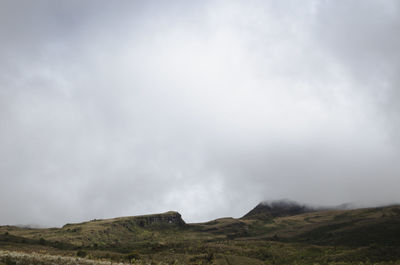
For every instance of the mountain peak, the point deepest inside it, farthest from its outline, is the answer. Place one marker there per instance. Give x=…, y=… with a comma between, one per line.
x=277, y=208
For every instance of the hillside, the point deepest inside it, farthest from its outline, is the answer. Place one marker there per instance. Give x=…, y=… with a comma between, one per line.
x=268, y=234
x=119, y=234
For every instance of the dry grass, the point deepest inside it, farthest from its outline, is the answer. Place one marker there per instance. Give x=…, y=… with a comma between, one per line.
x=21, y=258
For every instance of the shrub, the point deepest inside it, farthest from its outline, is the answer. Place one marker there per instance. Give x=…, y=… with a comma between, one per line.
x=81, y=253
x=42, y=241
x=133, y=255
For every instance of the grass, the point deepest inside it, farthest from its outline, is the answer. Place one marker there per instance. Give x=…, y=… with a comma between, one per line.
x=20, y=258
x=363, y=236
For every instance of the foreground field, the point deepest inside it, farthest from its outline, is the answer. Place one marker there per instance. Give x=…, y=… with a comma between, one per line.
x=277, y=236
x=21, y=258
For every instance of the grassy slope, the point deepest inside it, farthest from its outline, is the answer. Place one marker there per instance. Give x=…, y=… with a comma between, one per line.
x=324, y=237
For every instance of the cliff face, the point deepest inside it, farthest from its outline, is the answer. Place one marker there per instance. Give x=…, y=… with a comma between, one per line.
x=168, y=218
x=129, y=223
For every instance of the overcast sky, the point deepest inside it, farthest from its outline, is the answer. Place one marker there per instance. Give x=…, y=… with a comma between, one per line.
x=115, y=108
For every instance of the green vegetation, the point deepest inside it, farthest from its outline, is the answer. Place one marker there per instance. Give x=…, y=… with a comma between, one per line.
x=362, y=236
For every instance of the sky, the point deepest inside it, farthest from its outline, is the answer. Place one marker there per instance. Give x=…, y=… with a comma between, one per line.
x=120, y=108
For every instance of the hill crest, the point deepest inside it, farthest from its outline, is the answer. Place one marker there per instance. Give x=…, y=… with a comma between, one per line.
x=170, y=217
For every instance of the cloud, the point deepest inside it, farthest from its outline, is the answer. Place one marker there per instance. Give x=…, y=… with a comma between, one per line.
x=110, y=109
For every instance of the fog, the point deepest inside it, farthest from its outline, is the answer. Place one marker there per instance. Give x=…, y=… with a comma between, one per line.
x=116, y=108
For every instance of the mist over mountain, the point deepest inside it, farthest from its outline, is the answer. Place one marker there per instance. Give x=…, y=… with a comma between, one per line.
x=285, y=207
x=278, y=208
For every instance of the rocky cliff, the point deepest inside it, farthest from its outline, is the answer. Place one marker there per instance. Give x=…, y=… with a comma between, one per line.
x=171, y=218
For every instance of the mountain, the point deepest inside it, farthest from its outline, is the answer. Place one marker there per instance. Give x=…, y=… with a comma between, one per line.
x=271, y=209
x=277, y=232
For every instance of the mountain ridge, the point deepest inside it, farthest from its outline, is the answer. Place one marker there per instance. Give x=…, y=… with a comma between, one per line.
x=283, y=233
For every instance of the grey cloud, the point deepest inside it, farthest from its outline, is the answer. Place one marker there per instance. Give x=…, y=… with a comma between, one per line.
x=124, y=108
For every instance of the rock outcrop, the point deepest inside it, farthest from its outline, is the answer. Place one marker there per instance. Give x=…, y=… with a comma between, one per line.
x=169, y=218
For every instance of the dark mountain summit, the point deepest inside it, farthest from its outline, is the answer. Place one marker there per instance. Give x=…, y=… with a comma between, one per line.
x=280, y=208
